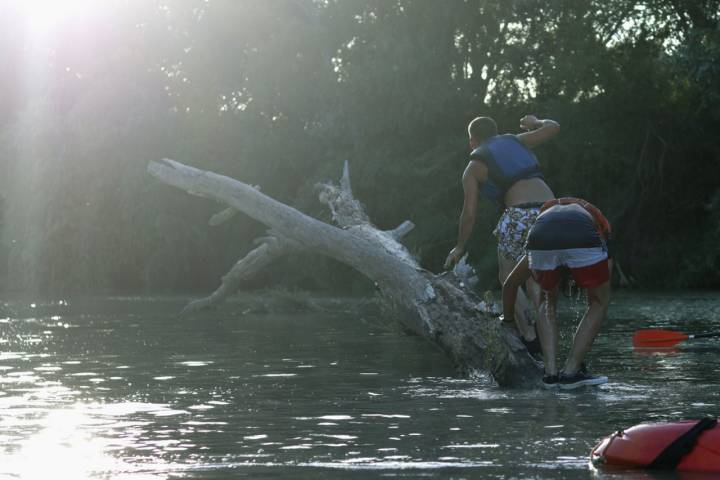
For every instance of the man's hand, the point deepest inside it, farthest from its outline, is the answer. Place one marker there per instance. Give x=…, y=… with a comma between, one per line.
x=530, y=122
x=538, y=131
x=454, y=257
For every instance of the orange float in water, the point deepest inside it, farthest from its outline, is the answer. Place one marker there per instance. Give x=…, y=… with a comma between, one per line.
x=689, y=446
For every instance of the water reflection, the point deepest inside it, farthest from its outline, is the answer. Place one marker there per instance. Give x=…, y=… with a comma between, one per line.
x=122, y=389
x=71, y=443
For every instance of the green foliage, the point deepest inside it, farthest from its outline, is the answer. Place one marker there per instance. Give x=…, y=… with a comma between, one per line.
x=280, y=93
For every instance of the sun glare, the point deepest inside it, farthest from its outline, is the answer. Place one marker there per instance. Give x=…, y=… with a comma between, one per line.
x=44, y=15
x=62, y=450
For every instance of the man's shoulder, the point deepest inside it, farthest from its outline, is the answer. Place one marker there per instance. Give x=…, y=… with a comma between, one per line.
x=485, y=150
x=480, y=153
x=509, y=138
x=476, y=169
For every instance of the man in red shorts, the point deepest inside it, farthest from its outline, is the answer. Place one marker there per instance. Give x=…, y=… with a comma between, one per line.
x=569, y=234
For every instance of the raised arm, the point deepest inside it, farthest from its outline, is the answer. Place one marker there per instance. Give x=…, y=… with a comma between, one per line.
x=475, y=173
x=540, y=130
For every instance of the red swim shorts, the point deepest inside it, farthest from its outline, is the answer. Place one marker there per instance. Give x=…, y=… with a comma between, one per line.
x=586, y=277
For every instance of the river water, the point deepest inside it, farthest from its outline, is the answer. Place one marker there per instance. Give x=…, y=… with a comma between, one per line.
x=121, y=388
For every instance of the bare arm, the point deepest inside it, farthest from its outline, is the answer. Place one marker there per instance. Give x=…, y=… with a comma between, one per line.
x=517, y=277
x=474, y=174
x=467, y=217
x=540, y=130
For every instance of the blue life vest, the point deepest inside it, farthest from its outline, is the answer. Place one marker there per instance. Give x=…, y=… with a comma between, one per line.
x=507, y=161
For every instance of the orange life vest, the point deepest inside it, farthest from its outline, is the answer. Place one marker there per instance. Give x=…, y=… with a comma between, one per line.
x=603, y=225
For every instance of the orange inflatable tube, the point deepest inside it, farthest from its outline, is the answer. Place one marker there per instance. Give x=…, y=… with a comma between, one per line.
x=686, y=446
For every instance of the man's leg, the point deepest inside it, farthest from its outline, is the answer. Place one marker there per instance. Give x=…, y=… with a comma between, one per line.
x=534, y=293
x=598, y=300
x=523, y=307
x=547, y=329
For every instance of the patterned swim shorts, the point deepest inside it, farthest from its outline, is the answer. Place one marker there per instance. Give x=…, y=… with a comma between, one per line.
x=512, y=230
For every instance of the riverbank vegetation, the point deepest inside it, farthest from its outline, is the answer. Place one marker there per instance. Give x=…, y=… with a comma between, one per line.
x=278, y=94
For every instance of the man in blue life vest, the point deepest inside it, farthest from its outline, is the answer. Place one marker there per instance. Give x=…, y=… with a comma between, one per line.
x=503, y=169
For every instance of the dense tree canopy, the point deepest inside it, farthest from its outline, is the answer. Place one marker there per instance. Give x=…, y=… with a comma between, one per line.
x=278, y=93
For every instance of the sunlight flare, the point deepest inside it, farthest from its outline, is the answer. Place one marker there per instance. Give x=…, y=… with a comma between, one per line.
x=43, y=15
x=63, y=449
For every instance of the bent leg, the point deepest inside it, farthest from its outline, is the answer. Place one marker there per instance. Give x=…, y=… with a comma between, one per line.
x=523, y=307
x=598, y=300
x=547, y=329
x=534, y=292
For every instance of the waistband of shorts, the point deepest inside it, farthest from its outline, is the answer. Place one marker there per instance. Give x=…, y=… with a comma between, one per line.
x=527, y=205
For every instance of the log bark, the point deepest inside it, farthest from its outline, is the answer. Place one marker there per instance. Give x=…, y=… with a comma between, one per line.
x=440, y=308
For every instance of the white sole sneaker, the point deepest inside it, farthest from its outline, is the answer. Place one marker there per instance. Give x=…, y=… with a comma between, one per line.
x=582, y=382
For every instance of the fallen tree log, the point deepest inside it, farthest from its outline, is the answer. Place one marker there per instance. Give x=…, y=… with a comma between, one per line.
x=271, y=247
x=438, y=307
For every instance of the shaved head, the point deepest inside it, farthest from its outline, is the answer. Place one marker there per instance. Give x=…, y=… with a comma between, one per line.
x=482, y=128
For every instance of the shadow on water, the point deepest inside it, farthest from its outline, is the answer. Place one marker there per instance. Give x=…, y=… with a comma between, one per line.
x=122, y=388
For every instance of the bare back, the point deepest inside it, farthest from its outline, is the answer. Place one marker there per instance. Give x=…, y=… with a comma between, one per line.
x=528, y=190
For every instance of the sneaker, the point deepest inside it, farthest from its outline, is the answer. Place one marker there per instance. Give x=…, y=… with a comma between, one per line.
x=580, y=379
x=550, y=381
